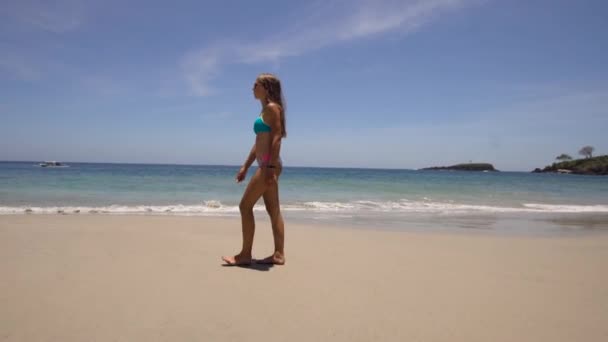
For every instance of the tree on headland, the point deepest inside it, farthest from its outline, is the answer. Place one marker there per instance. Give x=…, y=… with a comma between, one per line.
x=563, y=157
x=587, y=151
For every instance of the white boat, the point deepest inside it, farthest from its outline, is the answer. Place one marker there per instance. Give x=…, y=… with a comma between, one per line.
x=52, y=164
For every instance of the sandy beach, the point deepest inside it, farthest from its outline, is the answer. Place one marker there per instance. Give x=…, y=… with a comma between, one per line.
x=159, y=278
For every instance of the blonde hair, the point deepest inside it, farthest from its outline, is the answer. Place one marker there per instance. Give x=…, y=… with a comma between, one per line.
x=272, y=84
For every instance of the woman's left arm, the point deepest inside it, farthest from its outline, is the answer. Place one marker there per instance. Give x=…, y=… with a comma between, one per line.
x=272, y=116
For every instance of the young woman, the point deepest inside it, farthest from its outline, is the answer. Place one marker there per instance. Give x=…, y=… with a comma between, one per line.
x=269, y=129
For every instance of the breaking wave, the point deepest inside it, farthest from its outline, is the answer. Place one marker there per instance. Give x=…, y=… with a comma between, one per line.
x=216, y=208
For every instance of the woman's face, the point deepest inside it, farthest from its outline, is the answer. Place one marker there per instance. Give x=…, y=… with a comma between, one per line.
x=258, y=91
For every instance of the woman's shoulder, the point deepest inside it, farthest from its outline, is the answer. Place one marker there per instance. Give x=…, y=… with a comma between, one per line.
x=273, y=108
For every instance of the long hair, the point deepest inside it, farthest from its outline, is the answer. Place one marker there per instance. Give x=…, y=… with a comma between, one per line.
x=272, y=84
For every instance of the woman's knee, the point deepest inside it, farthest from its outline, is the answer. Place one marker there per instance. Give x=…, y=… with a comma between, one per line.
x=245, y=207
x=273, y=212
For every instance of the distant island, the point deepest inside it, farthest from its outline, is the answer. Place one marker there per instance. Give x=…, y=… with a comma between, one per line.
x=465, y=167
x=585, y=166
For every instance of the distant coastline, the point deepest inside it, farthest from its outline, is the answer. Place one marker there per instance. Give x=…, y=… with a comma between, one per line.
x=465, y=167
x=587, y=166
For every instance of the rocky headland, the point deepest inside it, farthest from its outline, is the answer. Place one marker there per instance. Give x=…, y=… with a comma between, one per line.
x=465, y=167
x=585, y=166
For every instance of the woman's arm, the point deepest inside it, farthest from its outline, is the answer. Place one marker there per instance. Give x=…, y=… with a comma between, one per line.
x=240, y=176
x=273, y=119
x=250, y=158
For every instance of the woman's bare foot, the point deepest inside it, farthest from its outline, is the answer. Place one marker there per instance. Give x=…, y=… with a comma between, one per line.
x=237, y=260
x=275, y=259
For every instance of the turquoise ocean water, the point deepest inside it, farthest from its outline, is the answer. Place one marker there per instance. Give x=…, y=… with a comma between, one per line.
x=353, y=196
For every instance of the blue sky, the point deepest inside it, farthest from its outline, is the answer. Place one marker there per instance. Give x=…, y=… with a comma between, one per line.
x=387, y=84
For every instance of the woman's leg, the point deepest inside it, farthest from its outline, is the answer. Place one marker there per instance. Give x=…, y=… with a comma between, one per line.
x=271, y=200
x=252, y=194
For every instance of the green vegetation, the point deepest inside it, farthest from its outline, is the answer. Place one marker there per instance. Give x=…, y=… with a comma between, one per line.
x=586, y=166
x=563, y=157
x=587, y=151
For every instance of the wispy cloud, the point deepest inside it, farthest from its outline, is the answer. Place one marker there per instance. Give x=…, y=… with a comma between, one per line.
x=324, y=24
x=565, y=107
x=31, y=63
x=23, y=56
x=52, y=16
x=17, y=68
x=521, y=136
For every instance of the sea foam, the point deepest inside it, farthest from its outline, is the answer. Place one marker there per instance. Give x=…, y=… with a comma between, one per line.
x=216, y=208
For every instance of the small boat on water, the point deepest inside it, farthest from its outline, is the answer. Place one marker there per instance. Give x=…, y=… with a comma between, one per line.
x=52, y=164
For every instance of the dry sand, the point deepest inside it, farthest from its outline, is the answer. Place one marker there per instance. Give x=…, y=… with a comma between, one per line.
x=158, y=278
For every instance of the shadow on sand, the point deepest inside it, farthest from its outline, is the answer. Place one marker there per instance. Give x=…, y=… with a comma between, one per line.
x=256, y=266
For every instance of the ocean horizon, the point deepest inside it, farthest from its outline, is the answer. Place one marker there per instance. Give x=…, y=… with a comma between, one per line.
x=354, y=196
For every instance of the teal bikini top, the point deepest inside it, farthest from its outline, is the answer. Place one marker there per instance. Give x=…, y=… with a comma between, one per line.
x=259, y=126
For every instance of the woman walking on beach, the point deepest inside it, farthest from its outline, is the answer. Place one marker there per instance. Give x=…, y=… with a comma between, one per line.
x=269, y=129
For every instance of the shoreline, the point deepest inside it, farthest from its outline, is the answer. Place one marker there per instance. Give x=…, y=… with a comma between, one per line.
x=497, y=224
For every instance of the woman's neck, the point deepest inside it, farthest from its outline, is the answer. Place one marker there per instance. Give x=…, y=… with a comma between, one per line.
x=264, y=103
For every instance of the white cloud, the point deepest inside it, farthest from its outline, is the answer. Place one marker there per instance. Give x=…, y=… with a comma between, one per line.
x=22, y=57
x=200, y=68
x=53, y=16
x=326, y=23
x=561, y=107
x=30, y=64
x=18, y=68
x=522, y=136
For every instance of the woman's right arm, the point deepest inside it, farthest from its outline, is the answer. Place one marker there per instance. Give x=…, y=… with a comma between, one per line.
x=240, y=176
x=250, y=158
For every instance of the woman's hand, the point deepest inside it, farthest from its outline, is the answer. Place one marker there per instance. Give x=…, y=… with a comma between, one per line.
x=240, y=176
